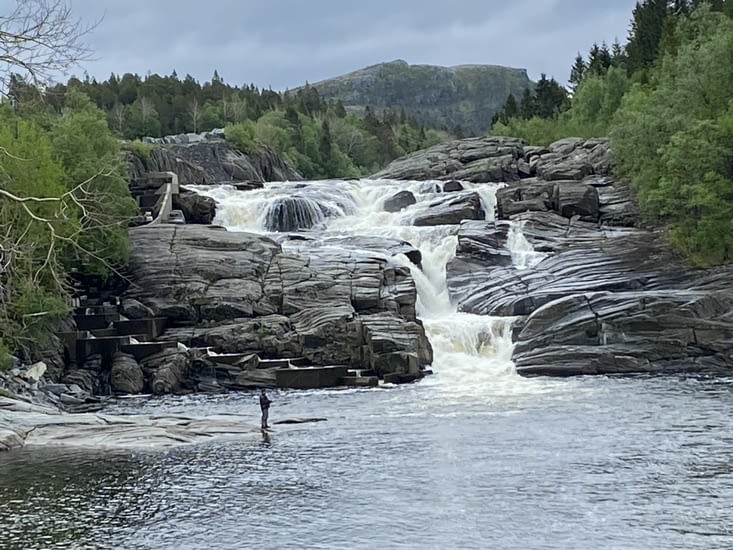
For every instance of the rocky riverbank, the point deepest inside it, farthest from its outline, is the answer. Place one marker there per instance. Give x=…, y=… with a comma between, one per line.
x=597, y=293
x=600, y=295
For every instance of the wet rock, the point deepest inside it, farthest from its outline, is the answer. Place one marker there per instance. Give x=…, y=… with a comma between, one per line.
x=33, y=426
x=133, y=309
x=294, y=213
x=393, y=345
x=196, y=208
x=452, y=186
x=300, y=420
x=451, y=210
x=399, y=201
x=211, y=162
x=480, y=159
x=126, y=377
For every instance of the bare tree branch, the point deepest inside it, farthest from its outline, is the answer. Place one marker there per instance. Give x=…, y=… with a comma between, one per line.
x=41, y=39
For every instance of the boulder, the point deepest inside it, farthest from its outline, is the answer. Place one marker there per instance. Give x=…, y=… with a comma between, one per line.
x=394, y=345
x=533, y=195
x=399, y=201
x=196, y=208
x=452, y=186
x=167, y=372
x=452, y=210
x=577, y=199
x=133, y=309
x=478, y=159
x=126, y=376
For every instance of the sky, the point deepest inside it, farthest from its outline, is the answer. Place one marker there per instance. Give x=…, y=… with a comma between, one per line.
x=283, y=44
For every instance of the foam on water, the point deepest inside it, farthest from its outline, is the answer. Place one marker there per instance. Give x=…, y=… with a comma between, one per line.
x=472, y=353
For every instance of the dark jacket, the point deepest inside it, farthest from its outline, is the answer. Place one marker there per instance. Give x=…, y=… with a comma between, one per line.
x=264, y=402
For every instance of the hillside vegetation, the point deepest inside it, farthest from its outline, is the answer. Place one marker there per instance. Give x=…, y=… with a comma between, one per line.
x=319, y=138
x=666, y=100
x=462, y=99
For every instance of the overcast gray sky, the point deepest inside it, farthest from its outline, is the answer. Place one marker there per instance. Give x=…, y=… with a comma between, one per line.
x=284, y=43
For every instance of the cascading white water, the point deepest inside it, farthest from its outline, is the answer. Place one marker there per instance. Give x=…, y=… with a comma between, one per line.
x=472, y=353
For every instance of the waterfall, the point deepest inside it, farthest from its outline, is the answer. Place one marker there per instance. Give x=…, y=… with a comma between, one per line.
x=524, y=255
x=472, y=353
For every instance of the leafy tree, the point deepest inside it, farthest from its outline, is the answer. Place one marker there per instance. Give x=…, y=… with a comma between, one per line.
x=63, y=202
x=673, y=141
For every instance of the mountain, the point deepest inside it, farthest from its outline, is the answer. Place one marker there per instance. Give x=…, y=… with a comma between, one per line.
x=464, y=95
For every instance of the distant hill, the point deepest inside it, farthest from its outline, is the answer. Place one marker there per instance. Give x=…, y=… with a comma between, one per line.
x=465, y=95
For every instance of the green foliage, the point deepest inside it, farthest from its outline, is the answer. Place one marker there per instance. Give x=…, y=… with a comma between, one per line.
x=6, y=361
x=666, y=102
x=546, y=101
x=64, y=206
x=243, y=136
x=674, y=139
x=596, y=100
x=538, y=131
x=139, y=148
x=89, y=153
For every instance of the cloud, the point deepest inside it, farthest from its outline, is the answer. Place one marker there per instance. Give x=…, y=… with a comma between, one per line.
x=284, y=43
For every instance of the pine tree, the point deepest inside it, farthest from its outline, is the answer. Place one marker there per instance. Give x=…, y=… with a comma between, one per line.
x=576, y=72
x=647, y=26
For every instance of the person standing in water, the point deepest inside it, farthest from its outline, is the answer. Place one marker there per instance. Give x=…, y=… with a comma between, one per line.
x=264, y=407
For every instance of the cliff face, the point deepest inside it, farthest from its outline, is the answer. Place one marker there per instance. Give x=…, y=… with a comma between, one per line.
x=465, y=95
x=213, y=162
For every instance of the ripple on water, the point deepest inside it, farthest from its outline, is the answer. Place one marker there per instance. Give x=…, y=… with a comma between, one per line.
x=584, y=463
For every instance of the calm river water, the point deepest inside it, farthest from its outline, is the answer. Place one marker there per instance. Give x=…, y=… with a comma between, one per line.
x=532, y=464
x=471, y=457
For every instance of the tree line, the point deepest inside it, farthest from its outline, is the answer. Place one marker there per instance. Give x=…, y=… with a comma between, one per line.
x=665, y=98
x=319, y=138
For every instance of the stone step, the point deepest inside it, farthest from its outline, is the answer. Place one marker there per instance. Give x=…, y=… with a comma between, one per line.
x=93, y=322
x=144, y=349
x=234, y=358
x=151, y=326
x=307, y=378
x=96, y=308
x=105, y=346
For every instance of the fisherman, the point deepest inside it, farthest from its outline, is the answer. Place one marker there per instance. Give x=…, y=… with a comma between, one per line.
x=265, y=407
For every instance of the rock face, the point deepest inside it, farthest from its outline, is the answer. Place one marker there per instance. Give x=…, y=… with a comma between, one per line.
x=241, y=293
x=596, y=295
x=452, y=209
x=590, y=291
x=213, y=162
x=481, y=159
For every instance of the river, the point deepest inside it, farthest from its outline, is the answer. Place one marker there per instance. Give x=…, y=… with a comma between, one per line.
x=473, y=456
